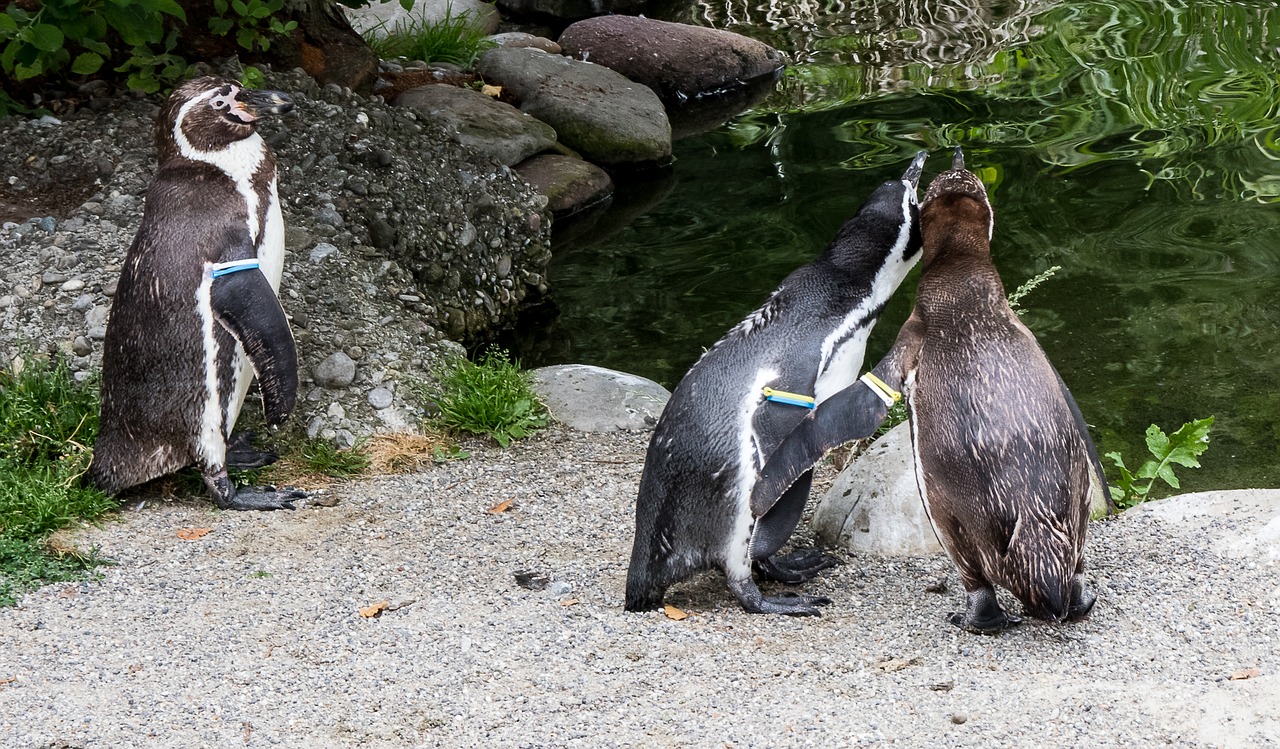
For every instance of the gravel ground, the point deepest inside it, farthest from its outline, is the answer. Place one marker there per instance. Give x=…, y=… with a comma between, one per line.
x=252, y=636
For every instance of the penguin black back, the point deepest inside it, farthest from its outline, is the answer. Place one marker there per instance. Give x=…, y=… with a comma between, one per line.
x=694, y=511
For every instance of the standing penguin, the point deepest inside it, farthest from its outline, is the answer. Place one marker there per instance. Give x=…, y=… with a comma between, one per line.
x=1004, y=461
x=195, y=312
x=745, y=394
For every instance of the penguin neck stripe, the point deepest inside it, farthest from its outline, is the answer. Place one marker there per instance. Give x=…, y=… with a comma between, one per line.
x=239, y=159
x=791, y=399
x=222, y=269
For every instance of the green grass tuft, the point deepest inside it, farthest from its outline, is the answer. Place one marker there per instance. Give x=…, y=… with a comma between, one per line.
x=456, y=39
x=322, y=456
x=47, y=422
x=491, y=397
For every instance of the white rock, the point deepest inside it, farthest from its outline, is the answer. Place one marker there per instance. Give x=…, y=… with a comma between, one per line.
x=1238, y=523
x=595, y=399
x=874, y=505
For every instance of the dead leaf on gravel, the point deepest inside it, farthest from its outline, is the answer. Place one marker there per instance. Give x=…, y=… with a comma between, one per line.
x=674, y=613
x=191, y=534
x=499, y=508
x=1245, y=673
x=372, y=610
x=890, y=665
x=8, y=680
x=494, y=91
x=570, y=602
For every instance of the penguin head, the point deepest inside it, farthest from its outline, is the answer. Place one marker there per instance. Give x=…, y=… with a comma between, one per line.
x=960, y=195
x=206, y=115
x=886, y=231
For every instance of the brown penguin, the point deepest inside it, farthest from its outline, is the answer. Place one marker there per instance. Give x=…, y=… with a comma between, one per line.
x=1004, y=461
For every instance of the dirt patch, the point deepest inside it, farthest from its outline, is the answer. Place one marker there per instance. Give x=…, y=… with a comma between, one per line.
x=55, y=191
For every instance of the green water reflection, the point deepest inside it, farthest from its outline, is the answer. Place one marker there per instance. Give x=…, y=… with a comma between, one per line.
x=1134, y=144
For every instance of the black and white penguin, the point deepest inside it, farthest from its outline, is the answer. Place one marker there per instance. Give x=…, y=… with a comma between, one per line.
x=195, y=313
x=1004, y=461
x=745, y=394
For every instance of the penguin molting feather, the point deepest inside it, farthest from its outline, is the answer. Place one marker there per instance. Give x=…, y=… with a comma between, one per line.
x=1005, y=465
x=195, y=313
x=693, y=511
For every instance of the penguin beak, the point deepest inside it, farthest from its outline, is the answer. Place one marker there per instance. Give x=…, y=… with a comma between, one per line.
x=255, y=102
x=957, y=161
x=912, y=174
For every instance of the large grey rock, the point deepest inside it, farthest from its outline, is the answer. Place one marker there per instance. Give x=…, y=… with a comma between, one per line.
x=1243, y=523
x=499, y=130
x=676, y=60
x=571, y=185
x=874, y=505
x=595, y=399
x=600, y=114
x=569, y=9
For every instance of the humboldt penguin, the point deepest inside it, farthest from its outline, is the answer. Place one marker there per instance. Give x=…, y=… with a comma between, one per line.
x=195, y=313
x=1004, y=461
x=745, y=394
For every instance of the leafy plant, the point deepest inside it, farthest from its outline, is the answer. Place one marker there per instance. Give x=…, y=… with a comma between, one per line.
x=253, y=21
x=1029, y=286
x=76, y=33
x=1183, y=447
x=47, y=422
x=492, y=397
x=456, y=39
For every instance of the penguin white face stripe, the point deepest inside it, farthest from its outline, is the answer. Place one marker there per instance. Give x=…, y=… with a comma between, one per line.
x=240, y=160
x=750, y=460
x=843, y=349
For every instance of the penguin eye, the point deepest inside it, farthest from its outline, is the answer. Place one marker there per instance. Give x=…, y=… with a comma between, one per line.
x=224, y=99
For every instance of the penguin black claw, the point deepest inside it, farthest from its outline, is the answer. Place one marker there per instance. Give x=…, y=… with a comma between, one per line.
x=797, y=567
x=788, y=603
x=983, y=614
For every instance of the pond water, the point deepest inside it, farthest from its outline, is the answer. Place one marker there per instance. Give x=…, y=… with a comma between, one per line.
x=1134, y=144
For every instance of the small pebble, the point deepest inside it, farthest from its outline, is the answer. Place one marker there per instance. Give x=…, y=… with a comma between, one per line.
x=380, y=398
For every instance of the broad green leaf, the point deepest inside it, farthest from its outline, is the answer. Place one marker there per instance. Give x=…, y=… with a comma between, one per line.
x=172, y=8
x=1148, y=470
x=239, y=7
x=7, y=24
x=47, y=38
x=1166, y=472
x=1157, y=442
x=93, y=45
x=87, y=63
x=23, y=72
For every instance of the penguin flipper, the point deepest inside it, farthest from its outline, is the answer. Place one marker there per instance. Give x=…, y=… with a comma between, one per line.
x=1083, y=428
x=853, y=413
x=246, y=305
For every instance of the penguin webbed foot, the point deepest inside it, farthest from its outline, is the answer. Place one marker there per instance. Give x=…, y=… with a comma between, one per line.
x=788, y=603
x=227, y=497
x=983, y=614
x=797, y=567
x=263, y=498
x=242, y=456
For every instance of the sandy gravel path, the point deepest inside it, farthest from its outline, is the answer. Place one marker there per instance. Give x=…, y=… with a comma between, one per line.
x=251, y=635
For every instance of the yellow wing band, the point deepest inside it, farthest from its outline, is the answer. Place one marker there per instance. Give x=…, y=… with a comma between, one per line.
x=878, y=386
x=791, y=399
